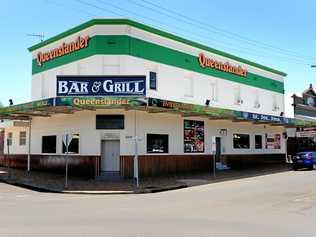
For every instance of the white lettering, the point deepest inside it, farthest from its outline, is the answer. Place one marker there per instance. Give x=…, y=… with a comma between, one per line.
x=107, y=87
x=62, y=87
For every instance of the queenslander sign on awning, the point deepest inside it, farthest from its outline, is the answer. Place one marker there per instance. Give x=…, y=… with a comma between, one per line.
x=101, y=86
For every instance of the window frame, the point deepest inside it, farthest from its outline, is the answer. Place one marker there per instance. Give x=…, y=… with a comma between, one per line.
x=24, y=138
x=157, y=134
x=261, y=136
x=150, y=79
x=241, y=148
x=42, y=150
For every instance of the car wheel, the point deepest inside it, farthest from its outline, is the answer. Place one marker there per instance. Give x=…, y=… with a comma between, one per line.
x=295, y=167
x=311, y=167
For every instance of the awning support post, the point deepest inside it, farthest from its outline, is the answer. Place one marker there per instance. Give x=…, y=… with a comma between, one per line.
x=29, y=150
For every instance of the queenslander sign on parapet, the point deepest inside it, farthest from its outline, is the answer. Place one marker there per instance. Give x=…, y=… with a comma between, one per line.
x=101, y=85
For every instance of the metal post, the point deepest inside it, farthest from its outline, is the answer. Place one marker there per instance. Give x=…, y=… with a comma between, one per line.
x=8, y=160
x=29, y=153
x=66, y=175
x=214, y=166
x=136, y=170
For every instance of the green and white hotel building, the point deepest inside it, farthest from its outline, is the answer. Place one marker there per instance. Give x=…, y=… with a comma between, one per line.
x=123, y=89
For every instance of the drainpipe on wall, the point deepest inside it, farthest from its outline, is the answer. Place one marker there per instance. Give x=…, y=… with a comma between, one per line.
x=29, y=150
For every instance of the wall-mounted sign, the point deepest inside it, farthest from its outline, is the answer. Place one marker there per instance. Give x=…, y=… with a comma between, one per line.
x=190, y=108
x=193, y=136
x=63, y=49
x=100, y=101
x=206, y=62
x=273, y=141
x=264, y=117
x=101, y=85
x=170, y=104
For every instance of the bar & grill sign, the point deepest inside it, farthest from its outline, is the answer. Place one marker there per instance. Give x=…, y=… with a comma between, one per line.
x=101, y=85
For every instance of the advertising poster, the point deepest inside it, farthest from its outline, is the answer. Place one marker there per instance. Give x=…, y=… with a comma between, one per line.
x=193, y=136
x=273, y=141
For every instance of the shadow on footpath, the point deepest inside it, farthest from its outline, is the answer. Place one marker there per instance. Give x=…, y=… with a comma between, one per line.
x=54, y=183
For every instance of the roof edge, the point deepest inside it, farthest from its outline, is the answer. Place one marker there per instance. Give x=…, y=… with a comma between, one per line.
x=123, y=21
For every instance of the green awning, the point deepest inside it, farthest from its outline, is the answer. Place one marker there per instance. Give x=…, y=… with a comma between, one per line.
x=68, y=105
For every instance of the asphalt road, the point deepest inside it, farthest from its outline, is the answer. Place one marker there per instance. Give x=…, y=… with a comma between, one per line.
x=279, y=205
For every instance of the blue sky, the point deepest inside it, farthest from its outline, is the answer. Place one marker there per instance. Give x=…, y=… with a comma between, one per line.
x=280, y=34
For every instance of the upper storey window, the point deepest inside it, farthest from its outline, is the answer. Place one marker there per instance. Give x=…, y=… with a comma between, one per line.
x=188, y=86
x=237, y=96
x=153, y=80
x=214, y=91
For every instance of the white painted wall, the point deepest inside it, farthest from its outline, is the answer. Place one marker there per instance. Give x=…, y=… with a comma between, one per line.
x=171, y=83
x=90, y=139
x=171, y=80
x=16, y=148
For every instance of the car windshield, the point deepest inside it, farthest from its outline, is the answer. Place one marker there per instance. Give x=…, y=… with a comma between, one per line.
x=305, y=154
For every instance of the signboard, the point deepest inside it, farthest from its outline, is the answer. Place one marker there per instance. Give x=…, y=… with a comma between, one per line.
x=263, y=117
x=191, y=108
x=306, y=132
x=101, y=85
x=27, y=106
x=206, y=62
x=101, y=101
x=273, y=141
x=63, y=49
x=193, y=136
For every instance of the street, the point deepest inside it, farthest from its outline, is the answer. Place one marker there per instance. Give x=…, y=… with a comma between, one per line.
x=281, y=204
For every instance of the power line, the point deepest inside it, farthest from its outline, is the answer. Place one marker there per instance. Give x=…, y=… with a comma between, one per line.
x=191, y=33
x=223, y=32
x=203, y=28
x=300, y=60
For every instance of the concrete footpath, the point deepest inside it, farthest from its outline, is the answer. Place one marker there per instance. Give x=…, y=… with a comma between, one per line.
x=49, y=182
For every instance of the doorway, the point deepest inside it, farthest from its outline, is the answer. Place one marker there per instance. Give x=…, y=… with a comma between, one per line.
x=218, y=149
x=110, y=156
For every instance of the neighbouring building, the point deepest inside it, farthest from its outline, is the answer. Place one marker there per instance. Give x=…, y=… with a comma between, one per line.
x=303, y=138
x=122, y=89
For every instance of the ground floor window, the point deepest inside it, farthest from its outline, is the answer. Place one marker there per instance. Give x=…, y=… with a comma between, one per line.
x=193, y=136
x=157, y=143
x=241, y=141
x=49, y=144
x=22, y=139
x=73, y=147
x=258, y=141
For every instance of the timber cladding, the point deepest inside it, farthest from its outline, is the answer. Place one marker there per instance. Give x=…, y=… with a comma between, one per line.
x=83, y=166
x=253, y=160
x=155, y=165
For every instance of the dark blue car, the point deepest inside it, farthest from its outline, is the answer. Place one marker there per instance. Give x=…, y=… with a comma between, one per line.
x=304, y=160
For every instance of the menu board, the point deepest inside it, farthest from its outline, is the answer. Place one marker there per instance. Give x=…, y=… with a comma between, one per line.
x=193, y=136
x=273, y=141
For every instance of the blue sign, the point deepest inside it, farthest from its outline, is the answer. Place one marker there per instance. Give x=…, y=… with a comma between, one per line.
x=101, y=86
x=264, y=117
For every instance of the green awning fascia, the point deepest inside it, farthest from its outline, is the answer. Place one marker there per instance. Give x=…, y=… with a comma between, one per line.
x=141, y=102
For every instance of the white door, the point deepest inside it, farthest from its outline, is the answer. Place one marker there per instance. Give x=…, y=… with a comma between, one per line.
x=110, y=156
